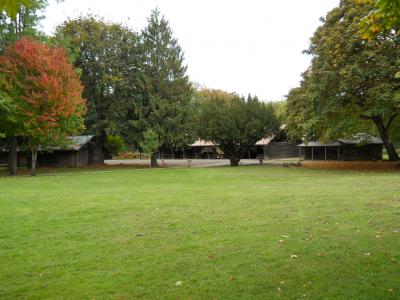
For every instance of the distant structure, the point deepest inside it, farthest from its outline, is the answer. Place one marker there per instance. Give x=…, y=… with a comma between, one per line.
x=77, y=152
x=274, y=147
x=361, y=147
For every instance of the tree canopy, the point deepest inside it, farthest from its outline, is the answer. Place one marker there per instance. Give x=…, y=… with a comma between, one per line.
x=384, y=15
x=106, y=55
x=44, y=93
x=165, y=101
x=351, y=84
x=236, y=125
x=22, y=21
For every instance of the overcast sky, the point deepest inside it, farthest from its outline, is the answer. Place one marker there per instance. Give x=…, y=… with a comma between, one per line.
x=243, y=46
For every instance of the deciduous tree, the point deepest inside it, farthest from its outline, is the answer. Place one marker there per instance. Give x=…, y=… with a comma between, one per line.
x=351, y=83
x=17, y=19
x=106, y=54
x=45, y=93
x=384, y=15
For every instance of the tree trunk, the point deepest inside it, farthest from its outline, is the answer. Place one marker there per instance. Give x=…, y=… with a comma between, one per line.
x=98, y=150
x=383, y=133
x=98, y=155
x=33, y=164
x=234, y=161
x=153, y=160
x=13, y=156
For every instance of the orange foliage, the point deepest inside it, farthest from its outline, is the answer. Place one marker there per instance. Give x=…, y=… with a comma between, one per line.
x=45, y=88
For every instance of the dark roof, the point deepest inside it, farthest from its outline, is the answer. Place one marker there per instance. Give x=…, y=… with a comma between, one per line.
x=357, y=139
x=263, y=142
x=361, y=138
x=74, y=143
x=320, y=144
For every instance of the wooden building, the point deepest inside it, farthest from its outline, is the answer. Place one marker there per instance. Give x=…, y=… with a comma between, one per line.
x=76, y=152
x=274, y=147
x=360, y=147
x=279, y=147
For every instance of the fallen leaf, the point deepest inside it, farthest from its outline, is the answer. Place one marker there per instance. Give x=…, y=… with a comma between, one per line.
x=284, y=236
x=293, y=256
x=178, y=283
x=211, y=257
x=232, y=278
x=367, y=254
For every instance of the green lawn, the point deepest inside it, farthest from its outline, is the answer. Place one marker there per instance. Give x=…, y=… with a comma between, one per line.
x=225, y=233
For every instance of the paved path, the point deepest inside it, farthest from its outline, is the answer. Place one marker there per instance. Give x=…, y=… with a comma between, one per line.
x=181, y=162
x=195, y=163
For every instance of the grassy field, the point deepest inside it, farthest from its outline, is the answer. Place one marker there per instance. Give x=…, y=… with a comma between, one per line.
x=222, y=233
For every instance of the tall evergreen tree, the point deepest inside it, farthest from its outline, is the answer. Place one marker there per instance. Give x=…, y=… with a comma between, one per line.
x=166, y=95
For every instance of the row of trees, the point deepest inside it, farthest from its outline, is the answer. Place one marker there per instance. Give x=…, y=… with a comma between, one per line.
x=135, y=85
x=352, y=84
x=134, y=82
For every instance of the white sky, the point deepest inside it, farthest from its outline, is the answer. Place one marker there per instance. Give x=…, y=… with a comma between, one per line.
x=251, y=46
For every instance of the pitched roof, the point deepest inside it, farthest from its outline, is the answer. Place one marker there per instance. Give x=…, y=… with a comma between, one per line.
x=361, y=138
x=357, y=139
x=320, y=144
x=202, y=143
x=74, y=143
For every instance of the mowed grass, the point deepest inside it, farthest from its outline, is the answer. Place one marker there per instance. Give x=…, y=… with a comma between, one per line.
x=224, y=233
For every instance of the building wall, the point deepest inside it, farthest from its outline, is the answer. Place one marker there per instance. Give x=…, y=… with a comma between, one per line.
x=366, y=152
x=276, y=150
x=344, y=152
x=3, y=158
x=64, y=159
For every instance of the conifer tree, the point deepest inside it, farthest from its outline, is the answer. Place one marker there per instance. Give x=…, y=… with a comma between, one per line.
x=164, y=103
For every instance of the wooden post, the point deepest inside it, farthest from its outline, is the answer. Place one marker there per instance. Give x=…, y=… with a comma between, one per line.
x=338, y=153
x=312, y=153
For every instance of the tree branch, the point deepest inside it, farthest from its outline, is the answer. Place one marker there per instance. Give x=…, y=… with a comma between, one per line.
x=391, y=120
x=366, y=117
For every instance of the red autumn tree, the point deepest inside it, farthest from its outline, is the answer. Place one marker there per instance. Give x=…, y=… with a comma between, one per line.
x=46, y=93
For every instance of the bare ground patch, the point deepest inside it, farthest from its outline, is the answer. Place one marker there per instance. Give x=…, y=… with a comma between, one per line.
x=353, y=165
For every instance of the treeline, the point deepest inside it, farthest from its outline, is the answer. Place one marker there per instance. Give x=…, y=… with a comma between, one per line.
x=353, y=82
x=136, y=91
